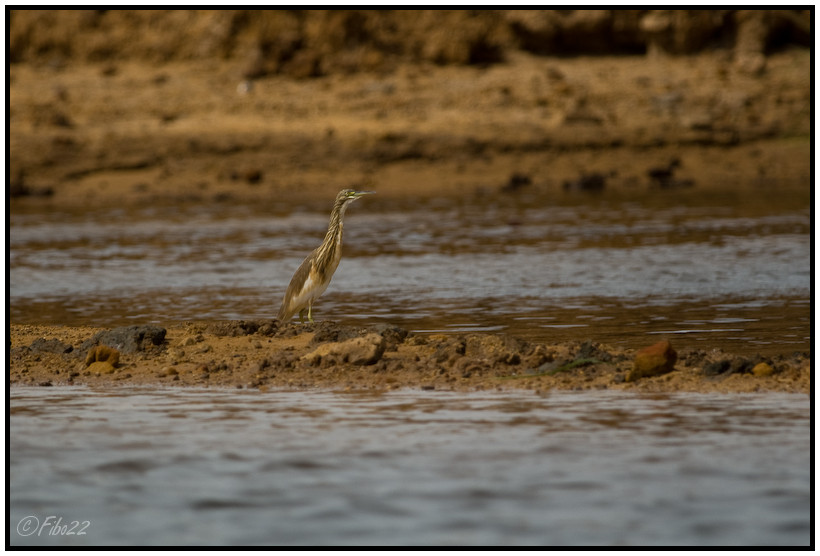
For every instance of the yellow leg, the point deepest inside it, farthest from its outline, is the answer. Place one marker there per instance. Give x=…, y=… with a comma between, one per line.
x=302, y=316
x=310, y=312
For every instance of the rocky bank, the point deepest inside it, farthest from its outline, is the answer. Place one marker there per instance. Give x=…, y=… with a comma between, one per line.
x=267, y=355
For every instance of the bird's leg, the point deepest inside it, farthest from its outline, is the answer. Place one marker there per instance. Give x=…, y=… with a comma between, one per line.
x=302, y=316
x=310, y=311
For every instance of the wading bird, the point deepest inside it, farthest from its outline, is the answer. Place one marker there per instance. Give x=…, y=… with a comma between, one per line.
x=313, y=275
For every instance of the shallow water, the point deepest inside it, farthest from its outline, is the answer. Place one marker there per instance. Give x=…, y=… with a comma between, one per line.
x=706, y=269
x=208, y=467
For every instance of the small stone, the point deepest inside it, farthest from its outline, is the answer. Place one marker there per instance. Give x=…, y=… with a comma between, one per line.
x=102, y=354
x=366, y=350
x=654, y=360
x=762, y=369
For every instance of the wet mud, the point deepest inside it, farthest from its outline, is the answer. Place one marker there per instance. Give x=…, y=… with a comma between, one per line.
x=267, y=355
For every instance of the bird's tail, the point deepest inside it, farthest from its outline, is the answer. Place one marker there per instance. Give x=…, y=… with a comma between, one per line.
x=284, y=315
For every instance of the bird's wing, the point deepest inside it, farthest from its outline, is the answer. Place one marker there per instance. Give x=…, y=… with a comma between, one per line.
x=290, y=303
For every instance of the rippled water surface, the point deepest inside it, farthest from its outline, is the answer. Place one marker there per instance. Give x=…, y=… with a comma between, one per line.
x=708, y=269
x=189, y=466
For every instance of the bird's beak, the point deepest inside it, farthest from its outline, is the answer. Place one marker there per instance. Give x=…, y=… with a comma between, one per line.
x=357, y=194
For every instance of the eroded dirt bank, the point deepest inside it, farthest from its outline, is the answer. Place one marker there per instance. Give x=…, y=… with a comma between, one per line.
x=110, y=108
x=264, y=355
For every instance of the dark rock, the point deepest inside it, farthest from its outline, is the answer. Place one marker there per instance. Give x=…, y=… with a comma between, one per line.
x=50, y=346
x=741, y=365
x=717, y=367
x=128, y=339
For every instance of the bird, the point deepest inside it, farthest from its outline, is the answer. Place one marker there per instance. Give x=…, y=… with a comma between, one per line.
x=313, y=276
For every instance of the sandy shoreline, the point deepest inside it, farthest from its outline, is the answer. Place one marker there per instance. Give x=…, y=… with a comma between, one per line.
x=262, y=355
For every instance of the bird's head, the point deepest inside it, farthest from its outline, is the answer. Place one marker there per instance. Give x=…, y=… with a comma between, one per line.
x=349, y=195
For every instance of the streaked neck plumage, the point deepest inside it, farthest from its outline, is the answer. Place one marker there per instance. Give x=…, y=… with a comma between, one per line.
x=331, y=249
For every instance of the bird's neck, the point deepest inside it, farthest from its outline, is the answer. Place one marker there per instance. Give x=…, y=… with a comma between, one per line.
x=330, y=251
x=334, y=228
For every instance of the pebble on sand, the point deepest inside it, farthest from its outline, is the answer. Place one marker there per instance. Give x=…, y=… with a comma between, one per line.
x=654, y=360
x=762, y=369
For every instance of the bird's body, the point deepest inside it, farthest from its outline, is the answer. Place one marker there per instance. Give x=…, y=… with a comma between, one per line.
x=314, y=274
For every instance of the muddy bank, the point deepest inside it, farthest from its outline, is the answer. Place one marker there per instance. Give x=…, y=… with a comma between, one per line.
x=264, y=355
x=304, y=43
x=92, y=125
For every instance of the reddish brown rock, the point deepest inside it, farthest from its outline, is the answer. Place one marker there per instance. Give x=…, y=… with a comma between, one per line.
x=654, y=360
